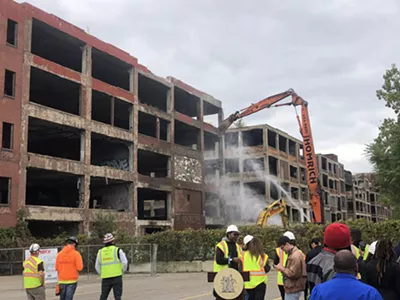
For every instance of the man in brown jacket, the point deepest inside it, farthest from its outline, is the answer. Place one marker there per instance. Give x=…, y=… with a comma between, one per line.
x=294, y=273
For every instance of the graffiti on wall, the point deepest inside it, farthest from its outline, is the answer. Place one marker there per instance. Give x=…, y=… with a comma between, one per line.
x=121, y=164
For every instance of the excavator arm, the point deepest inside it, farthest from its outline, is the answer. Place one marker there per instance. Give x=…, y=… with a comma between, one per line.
x=277, y=207
x=308, y=143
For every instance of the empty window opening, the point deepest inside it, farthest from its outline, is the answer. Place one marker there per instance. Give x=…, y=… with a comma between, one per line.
x=7, y=137
x=153, y=93
x=153, y=164
x=211, y=205
x=5, y=188
x=53, y=228
x=231, y=165
x=372, y=198
x=57, y=46
x=274, y=192
x=303, y=174
x=231, y=140
x=110, y=194
x=257, y=187
x=51, y=188
x=110, y=152
x=210, y=141
x=324, y=163
x=282, y=143
x=285, y=186
x=110, y=69
x=335, y=169
x=295, y=215
x=292, y=148
x=252, y=137
x=325, y=180
x=55, y=140
x=186, y=103
x=342, y=187
x=325, y=197
x=210, y=113
x=9, y=83
x=253, y=164
x=152, y=204
x=333, y=217
x=273, y=165
x=211, y=171
x=330, y=167
x=153, y=126
x=53, y=91
x=272, y=139
x=187, y=136
x=110, y=110
x=12, y=32
x=301, y=151
x=304, y=194
x=331, y=184
x=294, y=192
x=350, y=206
x=294, y=172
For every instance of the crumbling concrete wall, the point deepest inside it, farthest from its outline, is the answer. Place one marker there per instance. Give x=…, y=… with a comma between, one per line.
x=118, y=197
x=188, y=169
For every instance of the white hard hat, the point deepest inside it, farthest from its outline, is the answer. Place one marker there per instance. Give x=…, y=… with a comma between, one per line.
x=232, y=228
x=108, y=238
x=247, y=239
x=289, y=235
x=372, y=247
x=34, y=248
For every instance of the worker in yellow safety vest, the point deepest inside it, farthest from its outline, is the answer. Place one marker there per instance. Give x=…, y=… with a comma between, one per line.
x=281, y=258
x=111, y=263
x=255, y=261
x=34, y=275
x=358, y=244
x=227, y=252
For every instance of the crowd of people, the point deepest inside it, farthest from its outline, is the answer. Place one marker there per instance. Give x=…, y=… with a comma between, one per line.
x=340, y=266
x=111, y=263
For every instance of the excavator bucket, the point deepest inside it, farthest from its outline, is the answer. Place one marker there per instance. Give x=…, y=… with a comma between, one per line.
x=274, y=214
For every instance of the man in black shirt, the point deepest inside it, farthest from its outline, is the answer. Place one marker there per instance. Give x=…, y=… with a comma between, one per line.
x=316, y=248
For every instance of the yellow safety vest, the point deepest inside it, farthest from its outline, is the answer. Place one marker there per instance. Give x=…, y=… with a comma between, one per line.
x=223, y=245
x=356, y=252
x=256, y=269
x=31, y=273
x=110, y=264
x=366, y=252
x=282, y=260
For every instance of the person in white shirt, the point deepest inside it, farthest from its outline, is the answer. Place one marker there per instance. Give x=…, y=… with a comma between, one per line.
x=111, y=263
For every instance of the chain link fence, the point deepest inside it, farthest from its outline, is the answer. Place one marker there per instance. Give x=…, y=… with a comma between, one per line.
x=142, y=258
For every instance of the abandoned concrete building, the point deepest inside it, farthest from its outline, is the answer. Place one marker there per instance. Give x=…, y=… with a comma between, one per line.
x=333, y=192
x=86, y=128
x=263, y=160
x=363, y=198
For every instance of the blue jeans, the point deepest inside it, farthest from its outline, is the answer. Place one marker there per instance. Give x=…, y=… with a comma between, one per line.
x=293, y=296
x=68, y=291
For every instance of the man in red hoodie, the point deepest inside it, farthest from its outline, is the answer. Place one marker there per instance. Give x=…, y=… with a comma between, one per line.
x=68, y=264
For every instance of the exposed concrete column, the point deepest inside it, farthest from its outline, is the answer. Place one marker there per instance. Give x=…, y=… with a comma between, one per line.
x=26, y=78
x=134, y=149
x=221, y=144
x=240, y=146
x=266, y=164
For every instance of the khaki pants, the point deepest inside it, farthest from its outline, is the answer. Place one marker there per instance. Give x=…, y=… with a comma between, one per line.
x=36, y=293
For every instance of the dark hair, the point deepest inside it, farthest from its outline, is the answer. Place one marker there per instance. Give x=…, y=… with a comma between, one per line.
x=283, y=240
x=255, y=247
x=384, y=253
x=315, y=241
x=356, y=235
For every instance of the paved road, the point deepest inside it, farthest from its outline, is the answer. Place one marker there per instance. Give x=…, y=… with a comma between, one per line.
x=181, y=286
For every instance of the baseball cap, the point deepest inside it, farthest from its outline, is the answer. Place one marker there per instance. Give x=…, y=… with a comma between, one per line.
x=337, y=236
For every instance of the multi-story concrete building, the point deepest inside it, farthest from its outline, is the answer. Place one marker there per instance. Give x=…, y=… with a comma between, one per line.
x=363, y=198
x=333, y=192
x=261, y=164
x=84, y=127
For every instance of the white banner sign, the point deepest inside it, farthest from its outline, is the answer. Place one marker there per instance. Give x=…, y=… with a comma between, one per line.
x=49, y=260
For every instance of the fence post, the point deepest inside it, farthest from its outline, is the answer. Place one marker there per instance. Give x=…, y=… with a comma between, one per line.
x=23, y=259
x=153, y=250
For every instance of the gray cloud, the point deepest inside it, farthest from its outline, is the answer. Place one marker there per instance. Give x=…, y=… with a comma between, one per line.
x=333, y=53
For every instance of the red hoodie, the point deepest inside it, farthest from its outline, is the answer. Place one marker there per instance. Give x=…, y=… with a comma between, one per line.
x=68, y=264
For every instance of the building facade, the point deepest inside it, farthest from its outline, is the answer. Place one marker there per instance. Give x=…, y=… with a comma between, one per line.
x=85, y=128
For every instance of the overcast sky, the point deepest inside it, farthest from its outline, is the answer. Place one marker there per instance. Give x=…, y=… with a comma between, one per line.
x=332, y=53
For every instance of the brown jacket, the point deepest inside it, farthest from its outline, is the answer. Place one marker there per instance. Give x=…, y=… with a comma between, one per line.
x=295, y=273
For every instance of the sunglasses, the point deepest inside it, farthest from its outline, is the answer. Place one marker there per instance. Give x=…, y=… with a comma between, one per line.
x=235, y=234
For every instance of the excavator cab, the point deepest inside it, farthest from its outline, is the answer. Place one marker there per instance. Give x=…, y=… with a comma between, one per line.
x=274, y=214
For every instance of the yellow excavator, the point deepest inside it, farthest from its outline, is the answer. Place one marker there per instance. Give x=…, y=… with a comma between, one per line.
x=274, y=214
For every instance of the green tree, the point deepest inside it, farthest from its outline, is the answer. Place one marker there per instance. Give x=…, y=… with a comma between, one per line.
x=384, y=151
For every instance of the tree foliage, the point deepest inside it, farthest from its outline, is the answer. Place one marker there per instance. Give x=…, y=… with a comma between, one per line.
x=384, y=151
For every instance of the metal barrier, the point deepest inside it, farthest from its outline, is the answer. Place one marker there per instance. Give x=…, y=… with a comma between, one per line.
x=142, y=258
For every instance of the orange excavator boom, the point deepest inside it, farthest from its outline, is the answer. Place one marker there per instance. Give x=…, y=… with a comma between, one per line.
x=308, y=142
